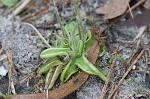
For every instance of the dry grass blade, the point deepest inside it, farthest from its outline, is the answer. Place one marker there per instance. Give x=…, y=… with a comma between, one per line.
x=130, y=9
x=39, y=34
x=11, y=87
x=108, y=76
x=140, y=33
x=37, y=14
x=19, y=8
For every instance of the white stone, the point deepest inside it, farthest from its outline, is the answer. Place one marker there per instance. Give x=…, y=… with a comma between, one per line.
x=3, y=71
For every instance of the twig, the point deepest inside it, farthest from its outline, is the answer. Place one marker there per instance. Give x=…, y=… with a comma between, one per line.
x=141, y=31
x=108, y=76
x=37, y=14
x=115, y=94
x=11, y=9
x=59, y=19
x=122, y=48
x=130, y=9
x=139, y=35
x=9, y=54
x=11, y=84
x=24, y=4
x=129, y=69
x=135, y=6
x=137, y=40
x=39, y=34
x=29, y=75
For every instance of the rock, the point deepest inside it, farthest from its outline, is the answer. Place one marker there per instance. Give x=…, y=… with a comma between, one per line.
x=3, y=71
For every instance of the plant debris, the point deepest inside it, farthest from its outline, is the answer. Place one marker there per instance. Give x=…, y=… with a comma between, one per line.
x=113, y=8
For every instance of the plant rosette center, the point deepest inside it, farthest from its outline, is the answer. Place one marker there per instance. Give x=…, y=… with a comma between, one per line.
x=78, y=43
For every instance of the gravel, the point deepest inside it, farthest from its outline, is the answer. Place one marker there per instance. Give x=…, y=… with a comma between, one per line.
x=21, y=41
x=91, y=89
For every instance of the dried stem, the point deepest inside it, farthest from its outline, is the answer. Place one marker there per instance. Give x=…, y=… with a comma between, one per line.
x=11, y=87
x=130, y=9
x=24, y=4
x=108, y=76
x=39, y=34
x=127, y=72
x=59, y=19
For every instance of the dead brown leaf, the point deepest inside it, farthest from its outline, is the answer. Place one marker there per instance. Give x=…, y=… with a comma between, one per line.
x=59, y=92
x=113, y=8
x=93, y=53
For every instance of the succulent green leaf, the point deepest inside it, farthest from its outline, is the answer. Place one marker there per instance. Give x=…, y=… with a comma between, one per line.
x=69, y=70
x=48, y=78
x=89, y=68
x=47, y=66
x=55, y=75
x=88, y=44
x=71, y=27
x=88, y=35
x=53, y=52
x=9, y=3
x=102, y=51
x=79, y=49
x=73, y=33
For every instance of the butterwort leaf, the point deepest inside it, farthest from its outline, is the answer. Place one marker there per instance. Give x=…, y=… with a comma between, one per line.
x=53, y=52
x=9, y=3
x=69, y=70
x=55, y=75
x=48, y=65
x=88, y=67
